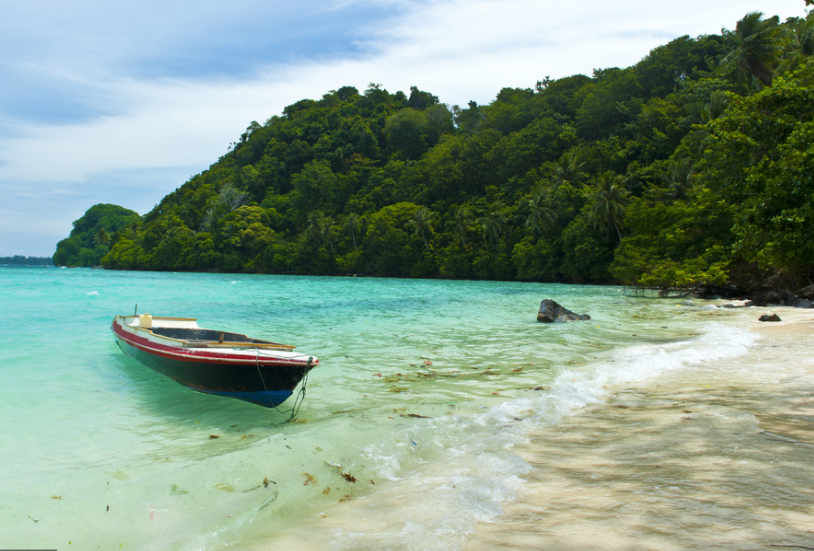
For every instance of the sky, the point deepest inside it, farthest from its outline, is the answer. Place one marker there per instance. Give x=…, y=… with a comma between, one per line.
x=123, y=102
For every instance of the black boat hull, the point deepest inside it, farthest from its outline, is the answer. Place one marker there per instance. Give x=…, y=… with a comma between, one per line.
x=241, y=381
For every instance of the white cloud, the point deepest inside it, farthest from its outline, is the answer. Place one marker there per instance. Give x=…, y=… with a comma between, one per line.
x=459, y=50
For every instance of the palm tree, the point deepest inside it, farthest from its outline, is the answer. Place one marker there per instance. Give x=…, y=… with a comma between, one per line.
x=679, y=178
x=713, y=108
x=801, y=34
x=314, y=229
x=569, y=169
x=804, y=35
x=102, y=237
x=353, y=223
x=757, y=46
x=609, y=198
x=327, y=231
x=494, y=222
x=422, y=223
x=460, y=222
x=540, y=217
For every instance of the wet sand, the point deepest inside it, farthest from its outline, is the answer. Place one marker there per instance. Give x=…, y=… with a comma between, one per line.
x=714, y=456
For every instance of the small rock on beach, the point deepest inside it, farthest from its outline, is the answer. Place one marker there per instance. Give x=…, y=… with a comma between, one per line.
x=772, y=317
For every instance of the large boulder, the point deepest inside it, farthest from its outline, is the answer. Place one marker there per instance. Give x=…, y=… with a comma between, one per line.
x=713, y=292
x=801, y=303
x=806, y=292
x=776, y=298
x=551, y=312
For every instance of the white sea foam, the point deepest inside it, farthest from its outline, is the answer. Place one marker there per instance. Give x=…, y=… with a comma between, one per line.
x=474, y=469
x=93, y=294
x=573, y=390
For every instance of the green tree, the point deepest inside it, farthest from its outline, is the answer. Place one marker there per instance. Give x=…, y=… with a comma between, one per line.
x=421, y=100
x=493, y=222
x=327, y=231
x=570, y=170
x=315, y=185
x=461, y=222
x=388, y=249
x=353, y=224
x=679, y=178
x=406, y=131
x=756, y=46
x=422, y=224
x=615, y=97
x=540, y=217
x=757, y=156
x=102, y=237
x=314, y=228
x=170, y=250
x=469, y=120
x=241, y=237
x=90, y=239
x=678, y=245
x=608, y=198
x=587, y=254
x=799, y=43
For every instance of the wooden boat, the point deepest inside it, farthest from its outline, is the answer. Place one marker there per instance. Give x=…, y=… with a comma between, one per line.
x=212, y=361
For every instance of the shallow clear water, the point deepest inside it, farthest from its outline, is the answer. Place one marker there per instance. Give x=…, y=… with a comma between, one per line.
x=424, y=388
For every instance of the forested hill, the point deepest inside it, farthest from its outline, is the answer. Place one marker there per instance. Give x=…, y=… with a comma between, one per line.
x=19, y=260
x=90, y=238
x=692, y=166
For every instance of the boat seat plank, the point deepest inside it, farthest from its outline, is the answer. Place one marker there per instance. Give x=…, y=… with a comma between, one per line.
x=246, y=345
x=206, y=338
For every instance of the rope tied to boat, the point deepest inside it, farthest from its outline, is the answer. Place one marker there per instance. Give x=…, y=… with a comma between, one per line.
x=301, y=396
x=295, y=409
x=260, y=372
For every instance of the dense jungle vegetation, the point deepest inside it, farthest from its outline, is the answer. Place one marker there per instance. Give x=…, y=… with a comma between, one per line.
x=19, y=260
x=693, y=166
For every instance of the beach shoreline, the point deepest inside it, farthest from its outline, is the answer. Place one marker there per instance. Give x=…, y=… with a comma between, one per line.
x=717, y=455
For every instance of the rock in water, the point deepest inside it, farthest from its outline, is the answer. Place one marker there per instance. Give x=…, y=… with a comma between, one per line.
x=551, y=312
x=778, y=298
x=806, y=292
x=766, y=317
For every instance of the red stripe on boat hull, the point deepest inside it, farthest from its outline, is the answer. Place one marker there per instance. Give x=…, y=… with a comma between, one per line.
x=234, y=380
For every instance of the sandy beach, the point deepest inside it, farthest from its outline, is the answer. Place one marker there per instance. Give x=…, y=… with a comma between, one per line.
x=714, y=456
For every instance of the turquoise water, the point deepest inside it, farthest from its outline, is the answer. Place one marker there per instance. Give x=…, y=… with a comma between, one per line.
x=424, y=388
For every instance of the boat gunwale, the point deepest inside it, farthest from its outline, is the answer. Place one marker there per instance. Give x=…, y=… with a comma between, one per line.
x=162, y=318
x=205, y=344
x=195, y=354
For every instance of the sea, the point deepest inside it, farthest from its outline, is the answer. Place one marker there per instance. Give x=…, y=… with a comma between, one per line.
x=404, y=437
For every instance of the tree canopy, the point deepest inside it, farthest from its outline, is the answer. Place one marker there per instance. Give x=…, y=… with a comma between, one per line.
x=93, y=234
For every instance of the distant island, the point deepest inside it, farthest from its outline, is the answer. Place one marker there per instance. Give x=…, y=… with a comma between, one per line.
x=91, y=236
x=18, y=260
x=692, y=167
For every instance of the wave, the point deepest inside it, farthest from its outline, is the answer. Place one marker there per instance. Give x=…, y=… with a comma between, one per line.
x=469, y=468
